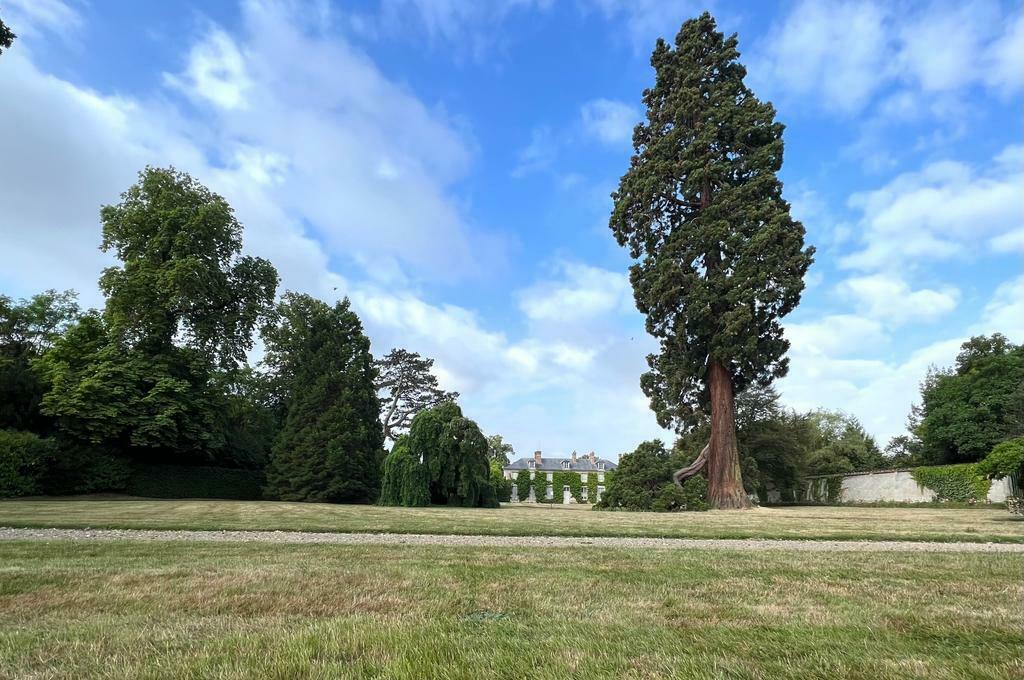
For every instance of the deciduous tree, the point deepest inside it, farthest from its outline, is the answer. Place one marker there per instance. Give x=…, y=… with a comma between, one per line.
x=720, y=259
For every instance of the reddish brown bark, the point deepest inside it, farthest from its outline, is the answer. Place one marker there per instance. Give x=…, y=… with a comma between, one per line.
x=725, y=483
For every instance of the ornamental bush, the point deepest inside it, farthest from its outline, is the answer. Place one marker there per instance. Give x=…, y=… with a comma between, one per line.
x=643, y=481
x=23, y=462
x=1007, y=458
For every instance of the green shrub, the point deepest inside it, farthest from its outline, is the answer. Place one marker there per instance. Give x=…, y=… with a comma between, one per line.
x=24, y=458
x=1007, y=458
x=961, y=483
x=79, y=468
x=695, y=493
x=502, y=486
x=406, y=479
x=179, y=481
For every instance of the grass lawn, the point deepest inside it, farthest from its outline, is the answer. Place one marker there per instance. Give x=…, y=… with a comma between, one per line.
x=232, y=610
x=836, y=523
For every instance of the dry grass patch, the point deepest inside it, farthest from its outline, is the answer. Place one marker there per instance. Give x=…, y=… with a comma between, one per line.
x=228, y=610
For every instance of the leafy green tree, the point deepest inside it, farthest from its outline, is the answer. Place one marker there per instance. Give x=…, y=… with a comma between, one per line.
x=152, y=375
x=407, y=387
x=406, y=478
x=330, y=446
x=28, y=328
x=502, y=487
x=499, y=450
x=455, y=453
x=181, y=280
x=966, y=410
x=721, y=260
x=840, y=444
x=6, y=37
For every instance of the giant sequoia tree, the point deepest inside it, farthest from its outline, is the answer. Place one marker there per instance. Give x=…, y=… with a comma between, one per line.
x=720, y=259
x=330, y=447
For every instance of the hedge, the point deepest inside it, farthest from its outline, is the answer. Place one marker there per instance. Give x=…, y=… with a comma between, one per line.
x=179, y=481
x=24, y=458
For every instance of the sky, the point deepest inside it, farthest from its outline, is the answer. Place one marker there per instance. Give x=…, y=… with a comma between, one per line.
x=448, y=166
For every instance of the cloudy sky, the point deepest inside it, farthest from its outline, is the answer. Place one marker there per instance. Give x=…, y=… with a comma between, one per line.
x=447, y=165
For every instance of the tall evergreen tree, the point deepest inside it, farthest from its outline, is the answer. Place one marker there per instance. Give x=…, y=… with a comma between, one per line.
x=407, y=387
x=6, y=37
x=721, y=260
x=330, y=447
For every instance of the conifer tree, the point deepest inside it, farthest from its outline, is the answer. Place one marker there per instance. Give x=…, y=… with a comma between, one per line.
x=719, y=258
x=330, y=447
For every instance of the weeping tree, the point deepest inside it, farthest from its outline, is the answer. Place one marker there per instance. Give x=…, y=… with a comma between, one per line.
x=719, y=259
x=444, y=459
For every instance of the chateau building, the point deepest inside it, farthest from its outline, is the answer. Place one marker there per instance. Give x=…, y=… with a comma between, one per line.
x=580, y=479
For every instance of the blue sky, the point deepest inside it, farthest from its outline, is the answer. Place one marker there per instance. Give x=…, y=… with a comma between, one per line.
x=448, y=166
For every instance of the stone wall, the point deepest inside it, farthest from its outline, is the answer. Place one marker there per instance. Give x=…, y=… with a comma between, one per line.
x=895, y=486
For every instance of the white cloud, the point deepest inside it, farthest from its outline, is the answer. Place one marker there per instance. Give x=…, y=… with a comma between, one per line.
x=890, y=299
x=581, y=292
x=216, y=72
x=31, y=18
x=645, y=21
x=841, y=53
x=1004, y=313
x=943, y=211
x=836, y=335
x=538, y=155
x=611, y=122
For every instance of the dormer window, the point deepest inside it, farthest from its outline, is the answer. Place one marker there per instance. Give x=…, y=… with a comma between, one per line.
x=565, y=465
x=533, y=464
x=600, y=466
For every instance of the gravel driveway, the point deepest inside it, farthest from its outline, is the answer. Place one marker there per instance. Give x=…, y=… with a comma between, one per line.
x=498, y=541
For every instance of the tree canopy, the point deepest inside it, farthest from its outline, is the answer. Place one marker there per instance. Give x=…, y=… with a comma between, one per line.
x=968, y=409
x=407, y=387
x=7, y=37
x=720, y=259
x=330, y=448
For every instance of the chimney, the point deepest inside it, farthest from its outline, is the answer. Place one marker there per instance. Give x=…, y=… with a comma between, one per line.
x=573, y=457
x=593, y=458
x=536, y=457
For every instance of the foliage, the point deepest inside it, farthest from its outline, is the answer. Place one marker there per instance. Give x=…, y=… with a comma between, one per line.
x=502, y=487
x=966, y=410
x=522, y=485
x=499, y=450
x=539, y=484
x=1005, y=459
x=181, y=278
x=27, y=329
x=840, y=444
x=641, y=479
x=455, y=453
x=960, y=483
x=329, y=448
x=7, y=37
x=24, y=457
x=721, y=259
x=153, y=407
x=406, y=478
x=407, y=387
x=178, y=481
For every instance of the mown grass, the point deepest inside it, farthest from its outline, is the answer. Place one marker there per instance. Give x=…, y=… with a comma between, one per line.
x=834, y=523
x=232, y=610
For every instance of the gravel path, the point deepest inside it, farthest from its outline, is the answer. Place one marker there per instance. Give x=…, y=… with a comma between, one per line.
x=498, y=541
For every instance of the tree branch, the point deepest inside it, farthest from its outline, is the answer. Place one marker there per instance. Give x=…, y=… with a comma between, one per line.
x=693, y=468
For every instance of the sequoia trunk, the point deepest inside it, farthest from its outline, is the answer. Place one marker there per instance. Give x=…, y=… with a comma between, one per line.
x=725, y=483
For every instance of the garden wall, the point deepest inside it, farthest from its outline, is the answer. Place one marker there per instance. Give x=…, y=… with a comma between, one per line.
x=890, y=485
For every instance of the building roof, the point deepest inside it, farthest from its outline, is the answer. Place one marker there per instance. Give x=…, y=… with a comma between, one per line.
x=582, y=464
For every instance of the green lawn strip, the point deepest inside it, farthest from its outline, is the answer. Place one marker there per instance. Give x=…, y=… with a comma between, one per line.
x=798, y=523
x=140, y=609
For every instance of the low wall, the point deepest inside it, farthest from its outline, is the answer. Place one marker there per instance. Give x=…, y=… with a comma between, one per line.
x=894, y=486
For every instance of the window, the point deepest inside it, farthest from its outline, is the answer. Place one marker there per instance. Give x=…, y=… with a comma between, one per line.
x=533, y=464
x=585, y=493
x=565, y=465
x=600, y=466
